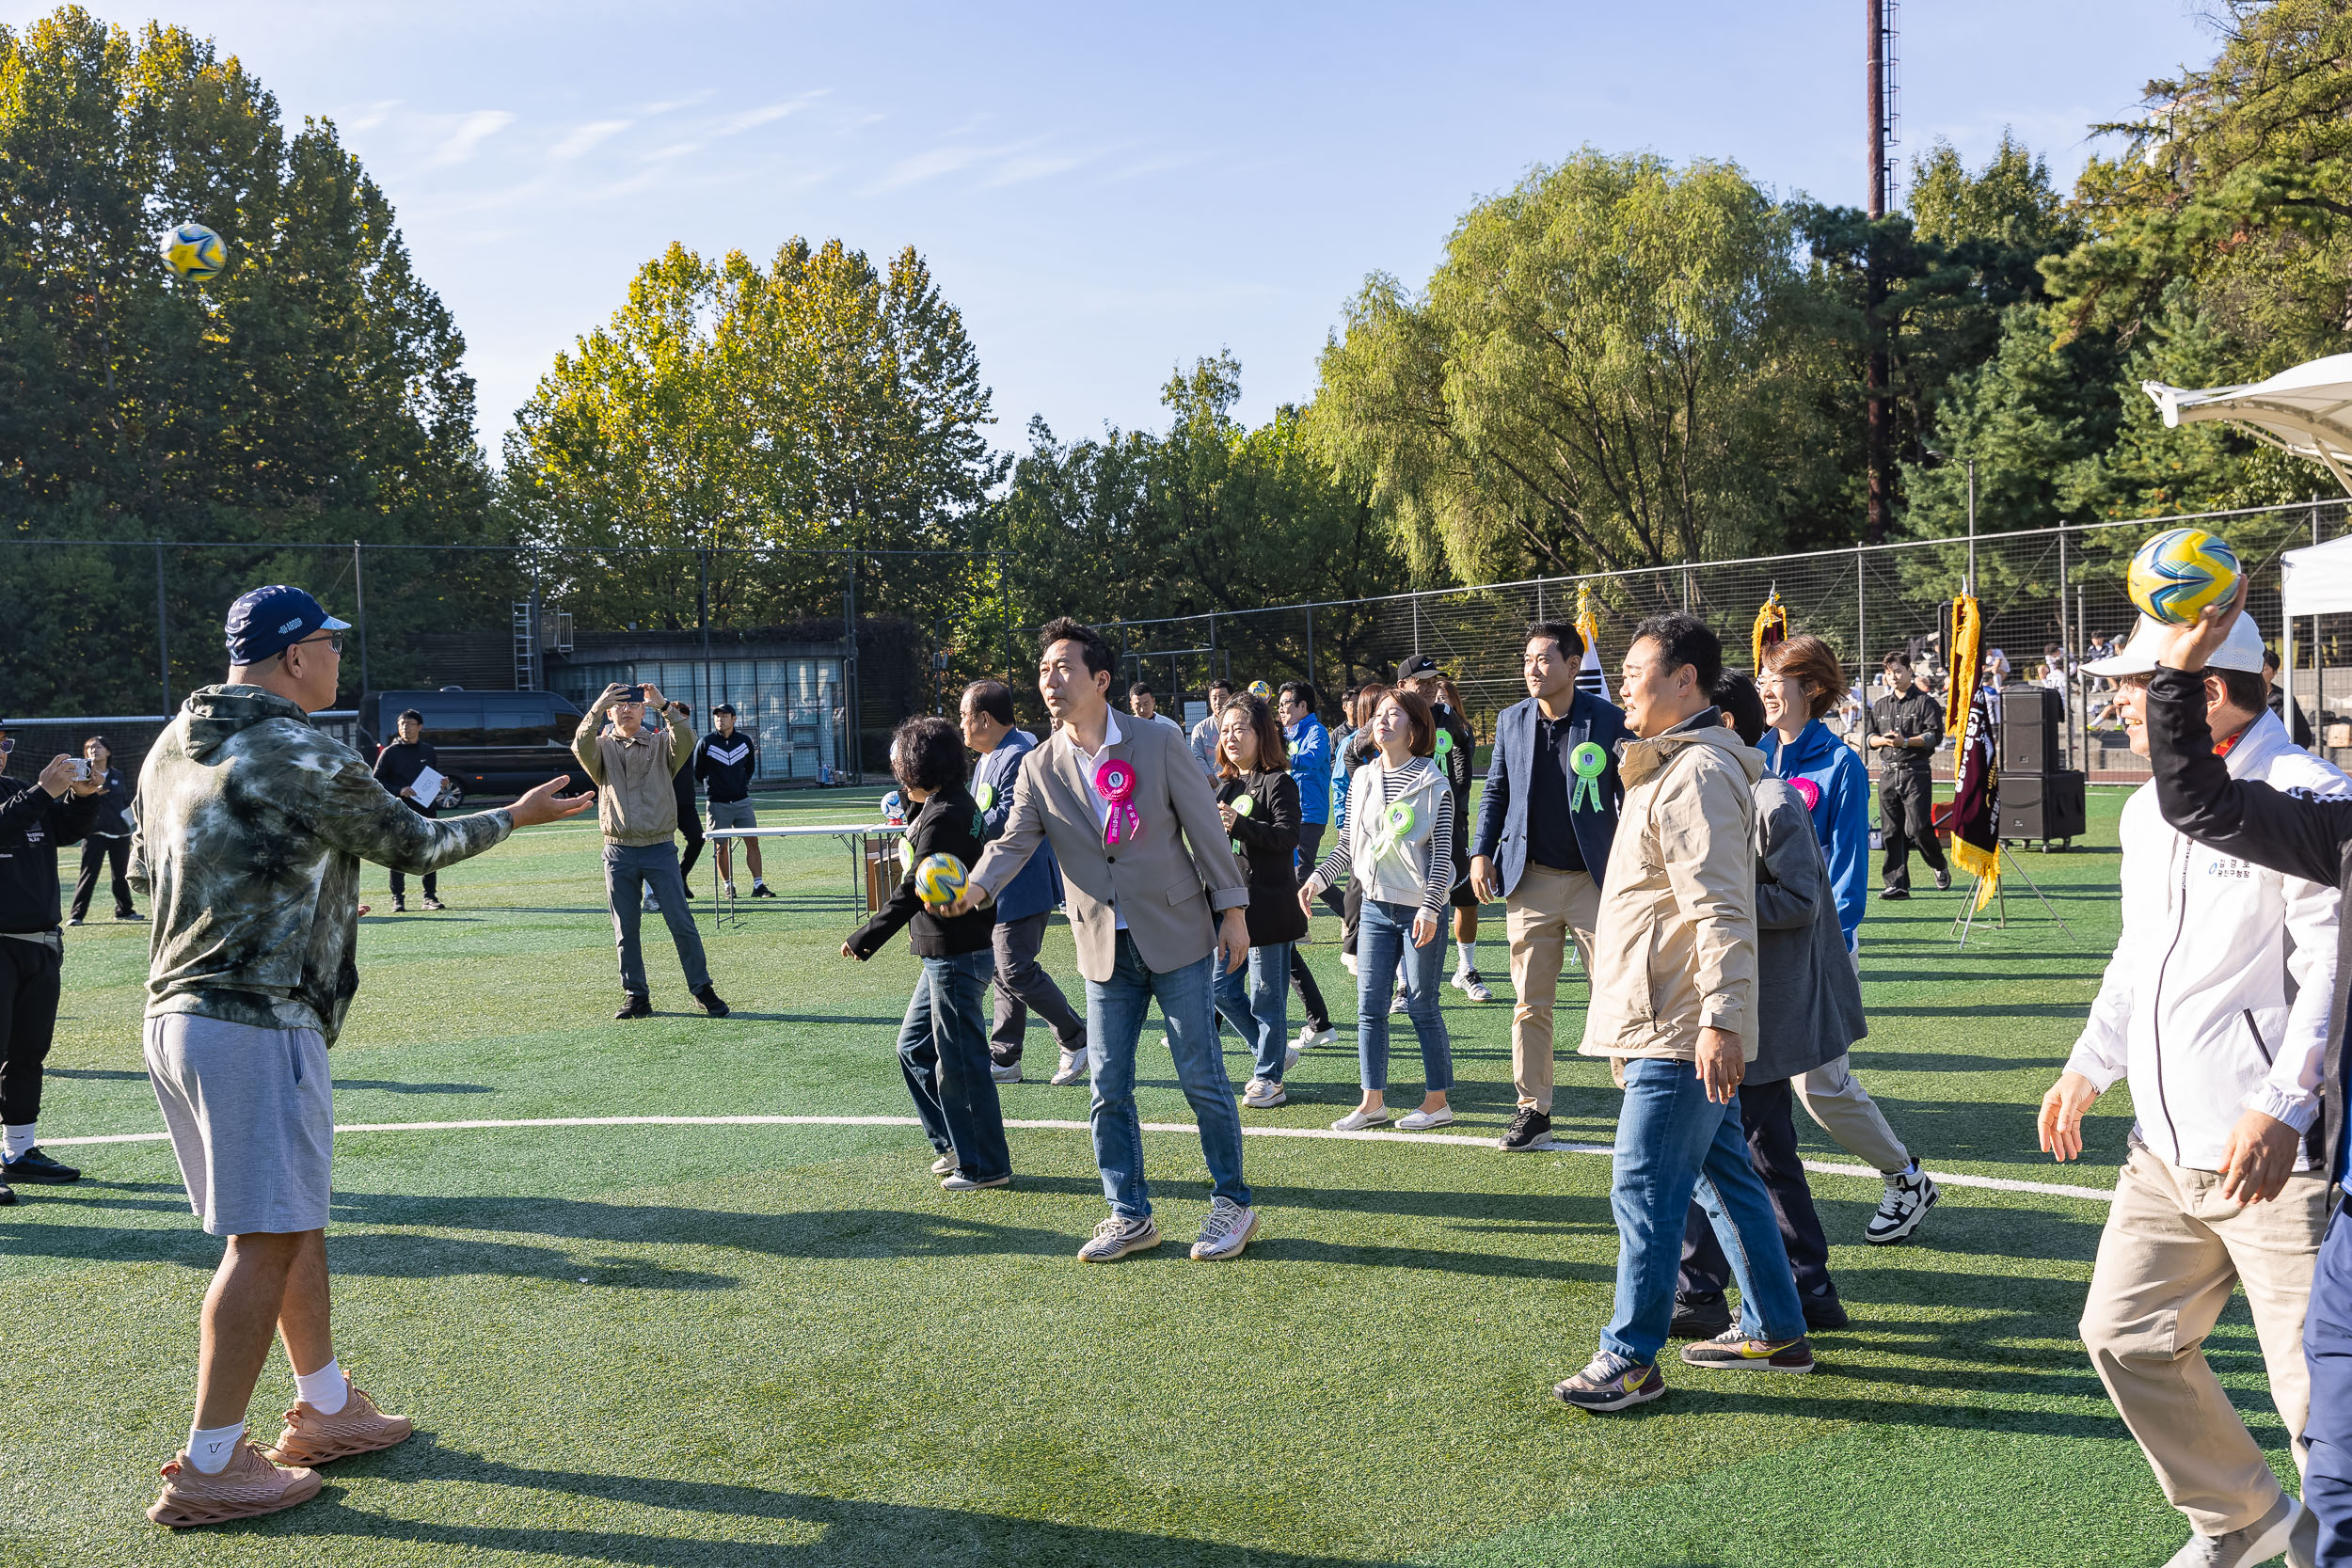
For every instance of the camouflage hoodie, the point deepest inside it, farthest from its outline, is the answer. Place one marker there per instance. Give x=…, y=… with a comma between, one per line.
x=252, y=826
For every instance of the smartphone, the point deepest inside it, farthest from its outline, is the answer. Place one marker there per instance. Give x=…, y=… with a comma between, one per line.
x=81, y=769
x=632, y=694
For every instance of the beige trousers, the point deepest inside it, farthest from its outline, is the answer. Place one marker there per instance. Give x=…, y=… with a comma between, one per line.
x=1544, y=910
x=2172, y=1250
x=1833, y=1098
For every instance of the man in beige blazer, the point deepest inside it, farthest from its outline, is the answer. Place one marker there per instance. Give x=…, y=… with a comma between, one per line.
x=1155, y=900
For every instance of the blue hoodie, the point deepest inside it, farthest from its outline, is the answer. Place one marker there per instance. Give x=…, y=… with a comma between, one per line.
x=1841, y=813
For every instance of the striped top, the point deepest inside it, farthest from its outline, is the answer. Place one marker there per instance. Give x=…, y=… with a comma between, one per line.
x=1433, y=899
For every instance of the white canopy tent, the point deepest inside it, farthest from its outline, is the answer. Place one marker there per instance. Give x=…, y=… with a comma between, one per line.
x=2307, y=412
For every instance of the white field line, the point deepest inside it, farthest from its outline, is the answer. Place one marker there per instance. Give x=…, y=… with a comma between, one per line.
x=1823, y=1167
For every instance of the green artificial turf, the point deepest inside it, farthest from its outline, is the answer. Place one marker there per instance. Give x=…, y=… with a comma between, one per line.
x=784, y=1344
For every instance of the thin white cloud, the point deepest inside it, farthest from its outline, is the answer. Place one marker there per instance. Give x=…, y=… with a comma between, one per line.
x=471, y=132
x=753, y=118
x=676, y=150
x=669, y=104
x=372, y=116
x=932, y=164
x=585, y=137
x=1015, y=171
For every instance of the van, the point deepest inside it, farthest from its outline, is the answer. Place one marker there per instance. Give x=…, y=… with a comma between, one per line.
x=495, y=744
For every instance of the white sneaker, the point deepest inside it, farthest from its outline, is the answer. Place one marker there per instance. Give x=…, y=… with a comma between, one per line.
x=1396, y=1002
x=652, y=905
x=1290, y=1057
x=1470, y=984
x=1310, y=1037
x=1355, y=1121
x=1905, y=1202
x=1073, y=1068
x=1347, y=960
x=1226, y=1231
x=943, y=1165
x=1008, y=1073
x=1421, y=1122
x=1263, y=1094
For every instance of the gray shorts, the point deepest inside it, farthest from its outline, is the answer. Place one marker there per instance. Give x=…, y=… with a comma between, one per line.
x=251, y=1114
x=733, y=814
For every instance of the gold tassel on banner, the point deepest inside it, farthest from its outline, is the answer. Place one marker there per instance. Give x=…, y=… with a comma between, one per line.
x=1963, y=638
x=1587, y=623
x=1772, y=627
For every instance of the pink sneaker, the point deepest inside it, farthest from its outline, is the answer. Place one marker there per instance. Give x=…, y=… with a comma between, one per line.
x=245, y=1487
x=358, y=1427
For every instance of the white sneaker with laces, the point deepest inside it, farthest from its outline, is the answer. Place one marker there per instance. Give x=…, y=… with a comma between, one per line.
x=1263, y=1094
x=1226, y=1231
x=1421, y=1121
x=1009, y=1072
x=1355, y=1121
x=1310, y=1037
x=944, y=1165
x=1909, y=1195
x=1116, y=1237
x=1470, y=984
x=1073, y=1068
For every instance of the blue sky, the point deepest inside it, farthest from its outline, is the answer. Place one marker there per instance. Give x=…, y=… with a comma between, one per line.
x=1106, y=191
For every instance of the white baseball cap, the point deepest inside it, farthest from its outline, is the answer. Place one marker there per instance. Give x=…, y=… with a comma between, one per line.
x=2243, y=651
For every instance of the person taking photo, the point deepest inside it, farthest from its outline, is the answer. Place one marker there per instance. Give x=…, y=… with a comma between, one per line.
x=57, y=808
x=108, y=844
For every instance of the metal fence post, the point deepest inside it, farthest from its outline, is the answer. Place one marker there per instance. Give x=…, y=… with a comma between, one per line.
x=359, y=610
x=848, y=672
x=1861, y=651
x=1311, y=649
x=163, y=630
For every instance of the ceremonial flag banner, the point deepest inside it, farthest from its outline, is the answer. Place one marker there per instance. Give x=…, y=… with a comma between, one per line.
x=1772, y=627
x=1589, y=674
x=1963, y=659
x=1974, y=816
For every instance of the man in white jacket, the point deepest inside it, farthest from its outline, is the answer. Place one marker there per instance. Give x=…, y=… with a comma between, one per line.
x=2215, y=1007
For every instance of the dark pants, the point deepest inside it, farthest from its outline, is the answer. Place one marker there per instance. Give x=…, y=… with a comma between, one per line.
x=2328, y=1351
x=1021, y=984
x=1904, y=824
x=431, y=878
x=1302, y=979
x=1767, y=1116
x=944, y=1057
x=96, y=852
x=28, y=1020
x=691, y=826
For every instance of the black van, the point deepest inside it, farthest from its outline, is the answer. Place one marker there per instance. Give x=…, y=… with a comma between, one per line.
x=490, y=743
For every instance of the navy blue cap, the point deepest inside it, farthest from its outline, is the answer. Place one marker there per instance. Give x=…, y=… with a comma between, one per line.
x=268, y=621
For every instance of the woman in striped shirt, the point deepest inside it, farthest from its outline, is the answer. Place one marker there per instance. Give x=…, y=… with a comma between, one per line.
x=1398, y=850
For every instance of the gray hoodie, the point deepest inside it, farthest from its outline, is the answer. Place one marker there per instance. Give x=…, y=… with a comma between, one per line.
x=1809, y=1000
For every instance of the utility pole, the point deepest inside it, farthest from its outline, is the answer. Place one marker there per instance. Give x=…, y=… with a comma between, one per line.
x=1882, y=121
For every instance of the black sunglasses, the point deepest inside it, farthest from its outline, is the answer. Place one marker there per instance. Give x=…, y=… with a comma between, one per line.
x=334, y=640
x=5, y=745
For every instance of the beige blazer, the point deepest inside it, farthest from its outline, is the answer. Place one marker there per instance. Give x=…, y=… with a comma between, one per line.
x=1166, y=880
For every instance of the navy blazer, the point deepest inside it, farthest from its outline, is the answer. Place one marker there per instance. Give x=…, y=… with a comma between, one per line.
x=1501, y=835
x=1038, y=888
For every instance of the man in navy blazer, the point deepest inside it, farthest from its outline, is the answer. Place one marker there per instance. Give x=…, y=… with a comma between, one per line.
x=1545, y=825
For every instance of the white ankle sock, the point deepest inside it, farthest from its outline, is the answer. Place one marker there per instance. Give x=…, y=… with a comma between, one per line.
x=1468, y=953
x=211, y=1448
x=326, y=1390
x=15, y=1140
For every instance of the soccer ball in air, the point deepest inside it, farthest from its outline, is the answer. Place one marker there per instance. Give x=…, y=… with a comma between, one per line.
x=939, y=879
x=1264, y=692
x=193, y=251
x=2181, y=572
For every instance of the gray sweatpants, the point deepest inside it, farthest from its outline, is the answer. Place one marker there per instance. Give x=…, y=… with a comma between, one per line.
x=1021, y=984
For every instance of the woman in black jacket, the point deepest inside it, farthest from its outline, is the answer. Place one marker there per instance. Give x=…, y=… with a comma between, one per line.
x=943, y=1045
x=1259, y=801
x=109, y=838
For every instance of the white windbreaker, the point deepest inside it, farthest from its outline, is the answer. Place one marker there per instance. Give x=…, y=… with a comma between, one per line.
x=2215, y=1002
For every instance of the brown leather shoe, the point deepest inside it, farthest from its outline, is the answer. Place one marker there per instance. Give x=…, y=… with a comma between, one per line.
x=245, y=1487
x=358, y=1427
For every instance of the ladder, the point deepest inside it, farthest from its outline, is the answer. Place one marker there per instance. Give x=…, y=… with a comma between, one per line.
x=526, y=645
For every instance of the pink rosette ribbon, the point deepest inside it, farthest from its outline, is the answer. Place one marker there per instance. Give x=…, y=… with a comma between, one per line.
x=1115, y=781
x=1807, y=791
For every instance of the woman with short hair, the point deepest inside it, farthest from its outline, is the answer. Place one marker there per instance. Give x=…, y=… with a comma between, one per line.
x=1258, y=799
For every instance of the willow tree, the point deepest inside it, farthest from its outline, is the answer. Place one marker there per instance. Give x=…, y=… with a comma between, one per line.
x=1613, y=366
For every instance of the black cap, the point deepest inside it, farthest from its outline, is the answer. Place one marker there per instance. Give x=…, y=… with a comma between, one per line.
x=728, y=708
x=1418, y=666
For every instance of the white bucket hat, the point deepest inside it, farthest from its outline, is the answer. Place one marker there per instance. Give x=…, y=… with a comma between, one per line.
x=2243, y=651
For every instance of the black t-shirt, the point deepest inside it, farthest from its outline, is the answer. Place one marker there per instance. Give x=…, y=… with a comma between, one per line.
x=1914, y=715
x=398, y=765
x=1551, y=830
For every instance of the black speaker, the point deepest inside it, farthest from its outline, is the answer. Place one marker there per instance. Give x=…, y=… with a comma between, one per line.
x=2030, y=730
x=2043, y=807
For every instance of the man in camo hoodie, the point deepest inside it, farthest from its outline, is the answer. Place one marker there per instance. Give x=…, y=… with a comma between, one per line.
x=252, y=826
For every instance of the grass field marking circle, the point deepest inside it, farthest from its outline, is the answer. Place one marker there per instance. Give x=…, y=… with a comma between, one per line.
x=1820, y=1167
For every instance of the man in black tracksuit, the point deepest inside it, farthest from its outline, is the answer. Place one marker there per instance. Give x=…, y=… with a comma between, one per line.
x=36, y=820
x=726, y=760
x=2311, y=839
x=1906, y=726
x=398, y=766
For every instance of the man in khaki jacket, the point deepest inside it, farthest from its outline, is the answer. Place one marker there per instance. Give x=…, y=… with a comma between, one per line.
x=637, y=806
x=1673, y=1006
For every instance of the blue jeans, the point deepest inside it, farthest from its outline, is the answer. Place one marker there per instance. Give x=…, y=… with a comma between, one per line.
x=2327, y=1352
x=1384, y=943
x=1256, y=1000
x=1115, y=1009
x=1674, y=1143
x=942, y=1050
x=628, y=870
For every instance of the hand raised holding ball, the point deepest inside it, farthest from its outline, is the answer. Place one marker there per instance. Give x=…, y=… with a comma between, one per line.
x=2192, y=646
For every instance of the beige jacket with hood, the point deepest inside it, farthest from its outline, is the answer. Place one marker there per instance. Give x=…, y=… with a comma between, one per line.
x=1675, y=948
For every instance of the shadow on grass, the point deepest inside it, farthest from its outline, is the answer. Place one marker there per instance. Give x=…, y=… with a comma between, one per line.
x=99, y=1072
x=392, y=1086
x=836, y=1530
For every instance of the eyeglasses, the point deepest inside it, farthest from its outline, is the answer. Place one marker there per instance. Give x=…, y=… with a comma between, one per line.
x=5, y=745
x=334, y=640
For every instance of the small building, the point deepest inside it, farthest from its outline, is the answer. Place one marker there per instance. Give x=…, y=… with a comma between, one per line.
x=790, y=695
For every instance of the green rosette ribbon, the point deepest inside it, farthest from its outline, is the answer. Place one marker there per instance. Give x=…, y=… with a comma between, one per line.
x=1393, y=828
x=1589, y=762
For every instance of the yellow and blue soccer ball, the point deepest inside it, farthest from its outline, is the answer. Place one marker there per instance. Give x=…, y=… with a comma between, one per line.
x=939, y=879
x=193, y=251
x=2182, y=572
x=1261, y=690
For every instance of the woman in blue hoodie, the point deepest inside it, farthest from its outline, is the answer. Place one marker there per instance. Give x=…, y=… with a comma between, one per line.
x=1802, y=682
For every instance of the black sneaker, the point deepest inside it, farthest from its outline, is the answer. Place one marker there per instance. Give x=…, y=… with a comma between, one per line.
x=1699, y=1317
x=34, y=1166
x=709, y=997
x=75, y=921
x=433, y=903
x=690, y=893
x=7, y=1195
x=1944, y=879
x=761, y=889
x=1530, y=1129
x=1824, y=1311
x=131, y=915
x=1732, y=1351
x=1610, y=1382
x=635, y=1004
x=1893, y=895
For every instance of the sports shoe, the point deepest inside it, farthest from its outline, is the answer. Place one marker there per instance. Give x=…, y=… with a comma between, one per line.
x=358, y=1427
x=1355, y=1121
x=1347, y=962
x=1472, y=985
x=1226, y=1231
x=132, y=915
x=1824, y=1311
x=1118, y=1236
x=1699, y=1317
x=690, y=893
x=959, y=1183
x=1909, y=1195
x=1004, y=1073
x=727, y=887
x=761, y=889
x=635, y=1003
x=1263, y=1094
x=2259, y=1542
x=945, y=1165
x=77, y=920
x=709, y=997
x=1396, y=1002
x=433, y=903
x=1421, y=1122
x=1073, y=1068
x=1610, y=1382
x=400, y=906
x=1530, y=1129
x=1732, y=1351
x=34, y=1166
x=1290, y=1055
x=1310, y=1037
x=7, y=1195
x=1893, y=895
x=1944, y=879
x=244, y=1488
